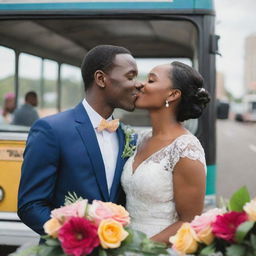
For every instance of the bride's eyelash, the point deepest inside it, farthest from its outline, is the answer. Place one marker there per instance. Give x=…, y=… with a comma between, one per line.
x=150, y=81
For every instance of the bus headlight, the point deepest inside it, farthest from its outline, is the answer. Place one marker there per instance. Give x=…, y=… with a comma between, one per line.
x=1, y=194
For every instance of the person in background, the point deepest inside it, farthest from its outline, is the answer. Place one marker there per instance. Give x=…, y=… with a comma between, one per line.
x=26, y=114
x=8, y=108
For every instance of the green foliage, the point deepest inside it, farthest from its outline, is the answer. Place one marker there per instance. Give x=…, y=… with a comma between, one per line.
x=243, y=230
x=236, y=250
x=137, y=242
x=207, y=250
x=128, y=147
x=71, y=198
x=31, y=251
x=239, y=199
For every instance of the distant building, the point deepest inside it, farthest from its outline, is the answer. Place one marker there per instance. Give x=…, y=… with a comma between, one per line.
x=250, y=63
x=221, y=93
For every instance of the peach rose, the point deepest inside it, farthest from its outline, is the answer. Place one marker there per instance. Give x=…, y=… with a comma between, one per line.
x=185, y=240
x=202, y=225
x=52, y=226
x=250, y=209
x=206, y=236
x=77, y=209
x=111, y=233
x=99, y=211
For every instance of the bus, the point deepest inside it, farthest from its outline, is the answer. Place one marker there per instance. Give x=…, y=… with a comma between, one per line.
x=42, y=44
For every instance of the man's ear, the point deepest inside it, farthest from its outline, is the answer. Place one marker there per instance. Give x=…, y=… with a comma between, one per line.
x=174, y=95
x=99, y=77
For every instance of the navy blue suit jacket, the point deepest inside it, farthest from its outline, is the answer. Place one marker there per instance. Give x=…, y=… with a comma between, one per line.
x=62, y=155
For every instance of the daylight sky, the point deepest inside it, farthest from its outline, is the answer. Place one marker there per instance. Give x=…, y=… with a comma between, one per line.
x=235, y=21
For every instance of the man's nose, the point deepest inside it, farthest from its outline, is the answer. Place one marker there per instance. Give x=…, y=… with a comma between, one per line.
x=139, y=85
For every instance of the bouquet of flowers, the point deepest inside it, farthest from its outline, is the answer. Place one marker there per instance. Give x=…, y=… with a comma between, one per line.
x=100, y=228
x=230, y=231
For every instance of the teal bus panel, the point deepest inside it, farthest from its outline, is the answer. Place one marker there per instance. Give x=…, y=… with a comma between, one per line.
x=211, y=180
x=204, y=4
x=122, y=5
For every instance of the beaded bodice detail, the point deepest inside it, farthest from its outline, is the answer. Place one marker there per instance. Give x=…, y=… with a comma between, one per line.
x=149, y=189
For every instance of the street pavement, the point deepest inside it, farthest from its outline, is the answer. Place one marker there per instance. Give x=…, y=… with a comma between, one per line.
x=236, y=157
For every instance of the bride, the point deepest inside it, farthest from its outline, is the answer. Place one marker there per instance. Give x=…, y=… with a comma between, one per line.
x=164, y=180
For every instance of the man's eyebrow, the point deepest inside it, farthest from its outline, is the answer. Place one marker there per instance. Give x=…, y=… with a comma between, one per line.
x=133, y=72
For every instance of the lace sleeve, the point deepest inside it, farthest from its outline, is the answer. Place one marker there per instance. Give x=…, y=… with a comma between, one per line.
x=188, y=146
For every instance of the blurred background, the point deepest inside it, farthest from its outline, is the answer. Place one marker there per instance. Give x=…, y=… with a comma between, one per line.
x=236, y=94
x=48, y=53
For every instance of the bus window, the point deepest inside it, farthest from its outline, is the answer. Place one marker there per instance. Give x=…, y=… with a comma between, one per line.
x=71, y=86
x=29, y=81
x=7, y=97
x=48, y=101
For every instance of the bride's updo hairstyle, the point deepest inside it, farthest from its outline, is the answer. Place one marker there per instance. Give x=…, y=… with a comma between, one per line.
x=194, y=97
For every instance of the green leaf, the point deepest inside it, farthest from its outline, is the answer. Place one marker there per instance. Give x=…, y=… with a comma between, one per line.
x=27, y=252
x=239, y=199
x=253, y=241
x=52, y=242
x=102, y=252
x=236, y=250
x=137, y=242
x=243, y=230
x=208, y=250
x=71, y=198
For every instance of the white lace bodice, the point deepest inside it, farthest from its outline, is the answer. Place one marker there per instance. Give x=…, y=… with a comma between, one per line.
x=149, y=190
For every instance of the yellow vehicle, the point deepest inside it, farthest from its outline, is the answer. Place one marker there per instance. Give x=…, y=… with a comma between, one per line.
x=43, y=43
x=12, y=231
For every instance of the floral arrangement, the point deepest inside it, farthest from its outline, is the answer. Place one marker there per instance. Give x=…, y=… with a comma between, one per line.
x=130, y=141
x=230, y=231
x=100, y=228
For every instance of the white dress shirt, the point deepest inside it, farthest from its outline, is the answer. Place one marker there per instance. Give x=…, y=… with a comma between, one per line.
x=108, y=143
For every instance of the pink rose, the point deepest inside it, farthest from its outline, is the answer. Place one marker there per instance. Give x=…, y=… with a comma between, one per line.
x=226, y=225
x=78, y=236
x=205, y=220
x=99, y=211
x=202, y=225
x=77, y=209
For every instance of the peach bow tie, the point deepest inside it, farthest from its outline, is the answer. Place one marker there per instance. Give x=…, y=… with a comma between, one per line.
x=110, y=126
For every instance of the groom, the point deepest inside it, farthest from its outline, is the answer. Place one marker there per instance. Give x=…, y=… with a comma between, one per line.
x=72, y=151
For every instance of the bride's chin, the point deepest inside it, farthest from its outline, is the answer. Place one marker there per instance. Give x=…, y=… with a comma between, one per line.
x=138, y=105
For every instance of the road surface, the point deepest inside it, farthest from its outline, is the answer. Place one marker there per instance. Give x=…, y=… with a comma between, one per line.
x=236, y=157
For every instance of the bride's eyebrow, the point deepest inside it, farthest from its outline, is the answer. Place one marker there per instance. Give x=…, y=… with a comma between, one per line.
x=152, y=75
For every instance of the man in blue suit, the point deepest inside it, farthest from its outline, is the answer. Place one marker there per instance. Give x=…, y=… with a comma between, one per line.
x=67, y=152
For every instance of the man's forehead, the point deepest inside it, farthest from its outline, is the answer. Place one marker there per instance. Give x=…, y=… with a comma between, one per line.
x=125, y=61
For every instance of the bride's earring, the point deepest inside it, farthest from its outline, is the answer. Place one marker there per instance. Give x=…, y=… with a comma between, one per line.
x=166, y=104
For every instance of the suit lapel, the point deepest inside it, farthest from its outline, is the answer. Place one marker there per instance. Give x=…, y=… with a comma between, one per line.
x=119, y=165
x=87, y=133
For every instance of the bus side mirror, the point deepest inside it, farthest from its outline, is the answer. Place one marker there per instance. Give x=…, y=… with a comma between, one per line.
x=214, y=47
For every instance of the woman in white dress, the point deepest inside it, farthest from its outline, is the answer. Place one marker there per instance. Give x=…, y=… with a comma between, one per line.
x=164, y=180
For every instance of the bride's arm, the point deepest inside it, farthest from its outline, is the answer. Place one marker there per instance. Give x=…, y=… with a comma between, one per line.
x=189, y=191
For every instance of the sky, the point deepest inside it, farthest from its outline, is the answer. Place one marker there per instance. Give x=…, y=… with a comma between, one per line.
x=235, y=20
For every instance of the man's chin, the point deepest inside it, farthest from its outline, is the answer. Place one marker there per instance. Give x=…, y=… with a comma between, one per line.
x=130, y=109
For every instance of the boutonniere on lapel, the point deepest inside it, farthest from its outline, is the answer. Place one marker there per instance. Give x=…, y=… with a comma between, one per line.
x=130, y=141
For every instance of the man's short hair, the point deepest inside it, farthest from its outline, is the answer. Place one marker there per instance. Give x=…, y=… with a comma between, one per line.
x=30, y=94
x=100, y=57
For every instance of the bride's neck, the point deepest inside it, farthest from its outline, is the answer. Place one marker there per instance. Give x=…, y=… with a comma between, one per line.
x=163, y=124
